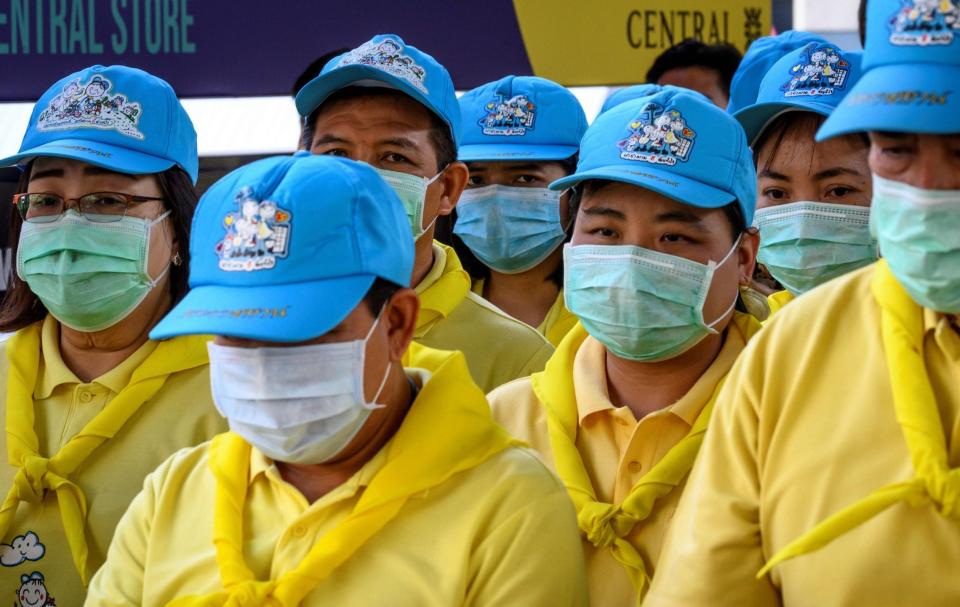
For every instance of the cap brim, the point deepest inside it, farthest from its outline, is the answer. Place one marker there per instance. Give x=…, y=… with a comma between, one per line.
x=756, y=118
x=280, y=313
x=113, y=157
x=515, y=151
x=315, y=92
x=671, y=185
x=902, y=98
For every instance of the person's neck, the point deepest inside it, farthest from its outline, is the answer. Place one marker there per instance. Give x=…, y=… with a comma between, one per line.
x=526, y=296
x=316, y=480
x=423, y=258
x=90, y=355
x=648, y=387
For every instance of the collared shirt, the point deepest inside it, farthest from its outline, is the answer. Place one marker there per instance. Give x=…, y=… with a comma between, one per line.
x=498, y=347
x=616, y=449
x=501, y=533
x=805, y=427
x=777, y=300
x=180, y=415
x=555, y=325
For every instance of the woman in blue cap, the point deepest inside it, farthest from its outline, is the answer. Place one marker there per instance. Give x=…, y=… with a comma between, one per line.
x=813, y=199
x=661, y=248
x=830, y=473
x=100, y=232
x=519, y=134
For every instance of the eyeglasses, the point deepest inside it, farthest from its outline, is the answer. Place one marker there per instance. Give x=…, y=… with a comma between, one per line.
x=102, y=207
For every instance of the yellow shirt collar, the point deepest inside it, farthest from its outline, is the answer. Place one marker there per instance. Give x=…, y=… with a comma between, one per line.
x=436, y=270
x=54, y=372
x=590, y=378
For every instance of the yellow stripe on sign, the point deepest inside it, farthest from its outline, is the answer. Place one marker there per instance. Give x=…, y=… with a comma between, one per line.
x=580, y=43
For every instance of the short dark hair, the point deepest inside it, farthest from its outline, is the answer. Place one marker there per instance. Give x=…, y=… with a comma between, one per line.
x=721, y=58
x=21, y=307
x=733, y=212
x=379, y=294
x=443, y=232
x=440, y=135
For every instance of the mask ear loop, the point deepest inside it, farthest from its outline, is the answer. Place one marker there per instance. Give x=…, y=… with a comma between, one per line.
x=373, y=405
x=713, y=270
x=166, y=269
x=423, y=202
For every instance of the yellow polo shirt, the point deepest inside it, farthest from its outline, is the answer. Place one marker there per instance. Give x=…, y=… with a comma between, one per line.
x=498, y=347
x=555, y=325
x=616, y=448
x=180, y=415
x=501, y=533
x=779, y=299
x=805, y=427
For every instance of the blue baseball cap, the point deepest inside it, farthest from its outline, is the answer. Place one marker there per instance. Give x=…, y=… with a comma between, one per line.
x=814, y=78
x=911, y=72
x=283, y=249
x=757, y=61
x=675, y=144
x=520, y=118
x=641, y=90
x=386, y=61
x=117, y=117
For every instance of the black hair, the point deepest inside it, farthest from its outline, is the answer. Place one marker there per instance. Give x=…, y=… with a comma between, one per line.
x=379, y=294
x=313, y=70
x=721, y=58
x=440, y=134
x=443, y=232
x=782, y=125
x=21, y=307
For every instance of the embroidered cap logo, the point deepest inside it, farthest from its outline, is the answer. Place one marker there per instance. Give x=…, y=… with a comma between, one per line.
x=821, y=70
x=658, y=136
x=509, y=117
x=925, y=22
x=89, y=105
x=387, y=55
x=257, y=234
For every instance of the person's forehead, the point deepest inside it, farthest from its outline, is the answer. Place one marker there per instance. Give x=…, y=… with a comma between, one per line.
x=511, y=165
x=691, y=75
x=799, y=153
x=395, y=111
x=632, y=199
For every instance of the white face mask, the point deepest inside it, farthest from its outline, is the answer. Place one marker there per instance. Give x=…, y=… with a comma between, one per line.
x=300, y=405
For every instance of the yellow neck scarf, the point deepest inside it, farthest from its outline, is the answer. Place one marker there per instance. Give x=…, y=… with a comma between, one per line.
x=901, y=327
x=439, y=299
x=37, y=474
x=418, y=458
x=607, y=525
x=778, y=300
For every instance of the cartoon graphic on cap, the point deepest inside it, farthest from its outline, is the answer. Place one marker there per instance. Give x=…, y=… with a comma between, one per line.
x=387, y=55
x=511, y=116
x=257, y=235
x=87, y=105
x=33, y=592
x=659, y=136
x=925, y=22
x=820, y=71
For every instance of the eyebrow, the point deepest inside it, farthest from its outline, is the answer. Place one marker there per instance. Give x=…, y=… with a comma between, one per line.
x=605, y=212
x=836, y=172
x=773, y=175
x=691, y=219
x=90, y=170
x=401, y=142
x=329, y=139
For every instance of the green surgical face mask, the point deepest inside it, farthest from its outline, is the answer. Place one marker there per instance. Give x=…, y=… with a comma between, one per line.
x=89, y=275
x=412, y=190
x=805, y=244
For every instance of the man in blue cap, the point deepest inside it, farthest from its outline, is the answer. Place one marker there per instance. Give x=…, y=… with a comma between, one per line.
x=829, y=476
x=520, y=133
x=665, y=194
x=393, y=106
x=360, y=468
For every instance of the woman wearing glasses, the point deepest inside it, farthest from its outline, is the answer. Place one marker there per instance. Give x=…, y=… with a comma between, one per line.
x=91, y=405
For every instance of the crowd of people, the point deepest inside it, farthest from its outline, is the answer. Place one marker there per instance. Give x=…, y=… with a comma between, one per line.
x=475, y=351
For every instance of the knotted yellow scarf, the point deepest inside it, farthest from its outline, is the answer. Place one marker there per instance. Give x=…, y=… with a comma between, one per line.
x=901, y=327
x=443, y=296
x=37, y=474
x=607, y=525
x=418, y=458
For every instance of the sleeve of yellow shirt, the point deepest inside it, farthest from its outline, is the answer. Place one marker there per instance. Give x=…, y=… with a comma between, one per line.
x=713, y=549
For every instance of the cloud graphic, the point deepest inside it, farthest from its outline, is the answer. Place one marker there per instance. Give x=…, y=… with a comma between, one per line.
x=23, y=548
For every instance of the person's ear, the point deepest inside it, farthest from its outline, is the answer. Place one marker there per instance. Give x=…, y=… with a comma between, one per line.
x=400, y=317
x=453, y=180
x=747, y=254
